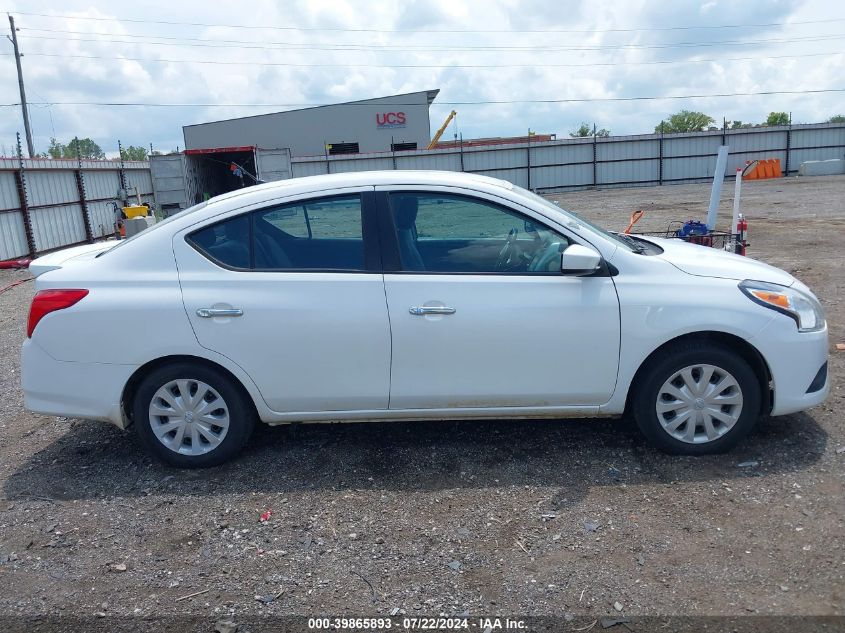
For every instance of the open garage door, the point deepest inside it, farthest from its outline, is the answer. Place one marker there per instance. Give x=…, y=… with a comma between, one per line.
x=273, y=164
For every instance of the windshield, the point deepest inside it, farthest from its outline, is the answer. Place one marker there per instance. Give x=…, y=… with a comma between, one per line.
x=167, y=220
x=622, y=239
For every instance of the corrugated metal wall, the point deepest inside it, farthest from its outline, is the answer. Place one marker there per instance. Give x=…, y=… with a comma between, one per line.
x=618, y=161
x=12, y=236
x=55, y=210
x=53, y=214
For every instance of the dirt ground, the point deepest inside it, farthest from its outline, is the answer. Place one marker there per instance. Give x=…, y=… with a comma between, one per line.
x=564, y=518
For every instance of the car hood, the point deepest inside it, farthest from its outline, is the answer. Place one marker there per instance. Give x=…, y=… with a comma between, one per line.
x=704, y=261
x=59, y=259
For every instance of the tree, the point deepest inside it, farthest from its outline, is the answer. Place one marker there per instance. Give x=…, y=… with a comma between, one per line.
x=86, y=149
x=56, y=149
x=685, y=121
x=585, y=130
x=838, y=118
x=738, y=125
x=777, y=118
x=134, y=153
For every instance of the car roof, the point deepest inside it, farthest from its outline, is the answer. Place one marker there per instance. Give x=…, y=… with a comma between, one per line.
x=363, y=178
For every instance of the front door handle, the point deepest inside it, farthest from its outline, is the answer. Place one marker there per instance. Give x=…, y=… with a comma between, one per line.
x=210, y=313
x=424, y=310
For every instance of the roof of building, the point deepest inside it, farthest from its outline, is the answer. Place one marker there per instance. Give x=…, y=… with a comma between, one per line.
x=431, y=95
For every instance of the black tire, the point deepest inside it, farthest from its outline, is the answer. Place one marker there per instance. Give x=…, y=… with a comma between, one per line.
x=240, y=411
x=674, y=359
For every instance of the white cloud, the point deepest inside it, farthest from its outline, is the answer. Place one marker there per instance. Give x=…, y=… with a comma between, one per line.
x=67, y=78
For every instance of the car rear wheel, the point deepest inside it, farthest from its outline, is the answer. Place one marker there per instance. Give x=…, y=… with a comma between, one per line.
x=192, y=416
x=697, y=398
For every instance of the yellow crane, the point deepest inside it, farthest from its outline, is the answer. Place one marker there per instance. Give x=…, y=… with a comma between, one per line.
x=442, y=129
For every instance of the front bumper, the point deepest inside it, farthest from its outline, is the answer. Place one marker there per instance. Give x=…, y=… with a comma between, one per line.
x=89, y=391
x=795, y=360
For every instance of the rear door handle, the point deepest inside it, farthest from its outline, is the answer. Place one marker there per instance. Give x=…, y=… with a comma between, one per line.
x=424, y=310
x=210, y=313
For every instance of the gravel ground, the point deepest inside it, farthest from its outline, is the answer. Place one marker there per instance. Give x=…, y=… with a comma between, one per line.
x=564, y=518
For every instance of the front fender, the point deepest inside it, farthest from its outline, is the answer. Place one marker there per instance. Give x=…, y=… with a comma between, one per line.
x=677, y=309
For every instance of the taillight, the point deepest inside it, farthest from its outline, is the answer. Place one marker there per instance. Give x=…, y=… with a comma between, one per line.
x=47, y=301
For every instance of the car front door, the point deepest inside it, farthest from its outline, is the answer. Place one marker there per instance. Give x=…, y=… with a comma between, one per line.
x=293, y=293
x=480, y=313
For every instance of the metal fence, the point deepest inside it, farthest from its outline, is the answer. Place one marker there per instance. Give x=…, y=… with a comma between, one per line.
x=617, y=161
x=46, y=204
x=49, y=204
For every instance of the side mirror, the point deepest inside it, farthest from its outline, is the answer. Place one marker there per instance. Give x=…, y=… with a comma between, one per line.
x=579, y=260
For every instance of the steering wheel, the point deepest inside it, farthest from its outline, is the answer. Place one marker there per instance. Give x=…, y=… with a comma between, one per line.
x=511, y=257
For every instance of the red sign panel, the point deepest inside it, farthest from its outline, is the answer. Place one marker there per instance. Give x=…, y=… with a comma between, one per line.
x=390, y=120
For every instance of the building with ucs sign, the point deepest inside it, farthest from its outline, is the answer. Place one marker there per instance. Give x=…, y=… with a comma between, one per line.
x=398, y=122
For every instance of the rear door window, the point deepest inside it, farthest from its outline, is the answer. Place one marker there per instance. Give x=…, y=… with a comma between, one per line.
x=320, y=234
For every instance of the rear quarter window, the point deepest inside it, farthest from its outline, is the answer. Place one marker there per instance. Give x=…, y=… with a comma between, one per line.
x=226, y=242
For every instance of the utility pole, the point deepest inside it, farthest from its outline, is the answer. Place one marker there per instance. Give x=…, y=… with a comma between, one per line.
x=14, y=40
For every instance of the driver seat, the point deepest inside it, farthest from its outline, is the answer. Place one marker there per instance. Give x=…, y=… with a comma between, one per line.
x=547, y=254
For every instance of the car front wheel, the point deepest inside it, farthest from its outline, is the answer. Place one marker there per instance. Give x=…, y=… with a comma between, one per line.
x=191, y=415
x=697, y=398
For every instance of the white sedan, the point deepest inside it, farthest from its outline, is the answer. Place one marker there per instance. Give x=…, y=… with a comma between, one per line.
x=408, y=295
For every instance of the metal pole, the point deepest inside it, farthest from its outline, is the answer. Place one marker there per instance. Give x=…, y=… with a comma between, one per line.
x=595, y=157
x=83, y=201
x=14, y=40
x=660, y=173
x=716, y=191
x=20, y=181
x=788, y=145
x=529, y=159
x=737, y=192
x=122, y=170
x=462, y=151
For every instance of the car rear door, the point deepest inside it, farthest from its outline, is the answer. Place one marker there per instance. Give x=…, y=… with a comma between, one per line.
x=471, y=332
x=293, y=293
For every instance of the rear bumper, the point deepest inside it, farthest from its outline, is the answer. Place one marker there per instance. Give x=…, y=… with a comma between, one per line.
x=90, y=391
x=795, y=360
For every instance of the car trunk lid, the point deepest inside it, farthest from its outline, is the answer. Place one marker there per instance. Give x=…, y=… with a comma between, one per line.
x=67, y=256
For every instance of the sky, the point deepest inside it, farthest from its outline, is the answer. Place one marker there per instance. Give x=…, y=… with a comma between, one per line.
x=267, y=56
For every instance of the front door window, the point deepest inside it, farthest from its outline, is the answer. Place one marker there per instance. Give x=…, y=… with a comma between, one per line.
x=455, y=234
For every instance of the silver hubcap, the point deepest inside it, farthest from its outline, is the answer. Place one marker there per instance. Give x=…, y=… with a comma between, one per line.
x=699, y=404
x=189, y=417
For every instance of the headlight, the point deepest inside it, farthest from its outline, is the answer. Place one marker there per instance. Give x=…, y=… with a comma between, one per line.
x=804, y=308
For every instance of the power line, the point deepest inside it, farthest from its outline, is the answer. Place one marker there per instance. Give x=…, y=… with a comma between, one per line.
x=371, y=46
x=390, y=66
x=361, y=30
x=442, y=103
x=293, y=46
